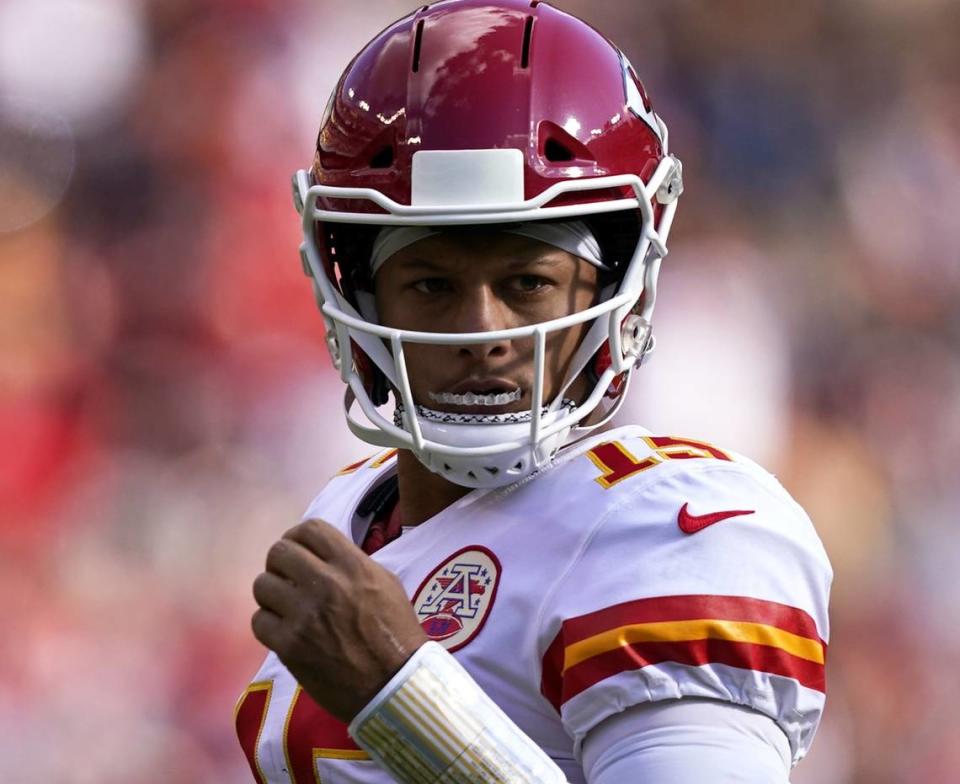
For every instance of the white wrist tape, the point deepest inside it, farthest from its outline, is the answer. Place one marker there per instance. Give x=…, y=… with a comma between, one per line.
x=433, y=723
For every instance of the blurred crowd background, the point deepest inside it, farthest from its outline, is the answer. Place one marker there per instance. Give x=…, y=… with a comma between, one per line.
x=167, y=407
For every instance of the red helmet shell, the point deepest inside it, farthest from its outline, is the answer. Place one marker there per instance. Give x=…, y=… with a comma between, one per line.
x=475, y=74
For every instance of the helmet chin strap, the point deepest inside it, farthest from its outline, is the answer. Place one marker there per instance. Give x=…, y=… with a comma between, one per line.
x=457, y=418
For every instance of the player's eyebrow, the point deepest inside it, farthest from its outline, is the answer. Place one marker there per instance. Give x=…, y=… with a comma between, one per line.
x=417, y=263
x=541, y=260
x=548, y=259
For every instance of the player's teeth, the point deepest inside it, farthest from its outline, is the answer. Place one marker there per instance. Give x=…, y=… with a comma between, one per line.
x=477, y=399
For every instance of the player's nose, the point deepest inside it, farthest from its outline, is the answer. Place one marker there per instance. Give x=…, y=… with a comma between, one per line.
x=481, y=310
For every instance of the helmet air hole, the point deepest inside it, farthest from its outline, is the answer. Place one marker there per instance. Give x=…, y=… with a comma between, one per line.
x=555, y=152
x=493, y=471
x=383, y=159
x=527, y=35
x=446, y=467
x=417, y=43
x=556, y=145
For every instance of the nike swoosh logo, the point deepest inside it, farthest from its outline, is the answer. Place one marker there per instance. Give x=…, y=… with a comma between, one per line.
x=691, y=523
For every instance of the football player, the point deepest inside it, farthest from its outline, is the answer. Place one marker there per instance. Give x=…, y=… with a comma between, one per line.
x=510, y=591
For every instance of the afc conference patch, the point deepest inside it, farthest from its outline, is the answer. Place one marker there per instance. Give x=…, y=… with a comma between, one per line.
x=455, y=599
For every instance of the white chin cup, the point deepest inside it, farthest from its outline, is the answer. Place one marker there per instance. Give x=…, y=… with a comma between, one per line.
x=501, y=468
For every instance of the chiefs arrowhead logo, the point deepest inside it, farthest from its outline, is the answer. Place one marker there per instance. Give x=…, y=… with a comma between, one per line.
x=691, y=523
x=455, y=599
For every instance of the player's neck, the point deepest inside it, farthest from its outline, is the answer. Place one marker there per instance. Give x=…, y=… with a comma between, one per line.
x=423, y=493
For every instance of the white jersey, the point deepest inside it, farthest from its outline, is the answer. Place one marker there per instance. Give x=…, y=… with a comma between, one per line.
x=634, y=568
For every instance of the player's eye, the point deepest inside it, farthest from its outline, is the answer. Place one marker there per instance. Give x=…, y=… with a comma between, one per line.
x=431, y=285
x=528, y=284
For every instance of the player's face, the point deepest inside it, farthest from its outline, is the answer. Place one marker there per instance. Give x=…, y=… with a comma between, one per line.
x=480, y=281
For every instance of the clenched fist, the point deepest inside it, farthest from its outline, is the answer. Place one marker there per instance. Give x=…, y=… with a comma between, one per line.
x=340, y=622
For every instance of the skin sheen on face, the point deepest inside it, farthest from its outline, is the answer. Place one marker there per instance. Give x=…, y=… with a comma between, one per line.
x=481, y=281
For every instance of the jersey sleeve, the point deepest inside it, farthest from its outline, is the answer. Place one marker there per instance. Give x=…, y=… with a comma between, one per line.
x=731, y=605
x=709, y=741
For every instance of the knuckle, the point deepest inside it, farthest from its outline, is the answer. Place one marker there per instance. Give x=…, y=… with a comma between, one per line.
x=260, y=586
x=278, y=550
x=280, y=638
x=260, y=627
x=291, y=533
x=342, y=586
x=313, y=528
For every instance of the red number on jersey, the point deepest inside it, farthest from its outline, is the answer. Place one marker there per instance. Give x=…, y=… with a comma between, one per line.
x=309, y=734
x=617, y=463
x=248, y=716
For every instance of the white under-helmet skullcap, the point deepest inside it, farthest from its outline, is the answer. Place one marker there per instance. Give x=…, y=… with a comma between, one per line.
x=572, y=236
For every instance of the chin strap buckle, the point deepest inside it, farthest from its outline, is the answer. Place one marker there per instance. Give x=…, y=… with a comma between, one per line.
x=637, y=338
x=672, y=185
x=333, y=346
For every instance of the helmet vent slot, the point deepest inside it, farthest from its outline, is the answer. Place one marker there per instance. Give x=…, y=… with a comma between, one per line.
x=527, y=35
x=555, y=152
x=383, y=159
x=417, y=44
x=558, y=147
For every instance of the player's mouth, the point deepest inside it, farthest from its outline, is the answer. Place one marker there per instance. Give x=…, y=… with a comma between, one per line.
x=479, y=395
x=482, y=399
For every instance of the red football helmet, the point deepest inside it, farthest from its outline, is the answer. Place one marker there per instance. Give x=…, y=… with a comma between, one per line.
x=486, y=112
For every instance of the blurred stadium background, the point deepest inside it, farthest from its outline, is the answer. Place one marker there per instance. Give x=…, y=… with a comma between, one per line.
x=167, y=409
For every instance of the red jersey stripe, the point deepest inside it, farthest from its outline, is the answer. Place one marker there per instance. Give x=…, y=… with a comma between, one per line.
x=555, y=684
x=693, y=653
x=691, y=607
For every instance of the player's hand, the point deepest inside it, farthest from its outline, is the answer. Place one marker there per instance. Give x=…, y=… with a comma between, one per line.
x=340, y=622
